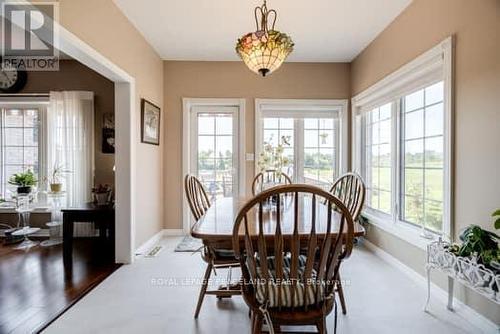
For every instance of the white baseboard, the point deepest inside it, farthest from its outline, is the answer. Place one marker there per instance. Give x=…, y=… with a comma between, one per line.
x=151, y=242
x=464, y=311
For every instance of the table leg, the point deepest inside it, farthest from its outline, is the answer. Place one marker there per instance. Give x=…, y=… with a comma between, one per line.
x=428, y=289
x=450, y=293
x=68, y=227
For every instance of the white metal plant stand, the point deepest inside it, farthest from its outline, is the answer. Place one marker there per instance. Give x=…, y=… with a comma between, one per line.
x=465, y=270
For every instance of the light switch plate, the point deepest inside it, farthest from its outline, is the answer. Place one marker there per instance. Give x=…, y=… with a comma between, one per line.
x=250, y=157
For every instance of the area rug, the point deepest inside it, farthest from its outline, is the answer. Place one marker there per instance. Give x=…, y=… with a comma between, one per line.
x=189, y=244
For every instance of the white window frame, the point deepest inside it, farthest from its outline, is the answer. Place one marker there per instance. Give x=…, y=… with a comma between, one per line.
x=434, y=65
x=35, y=102
x=189, y=105
x=306, y=105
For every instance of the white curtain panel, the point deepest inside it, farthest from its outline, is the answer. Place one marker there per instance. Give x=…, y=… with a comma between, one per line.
x=70, y=142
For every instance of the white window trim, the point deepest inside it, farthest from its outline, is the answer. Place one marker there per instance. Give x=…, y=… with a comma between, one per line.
x=435, y=64
x=339, y=106
x=37, y=102
x=187, y=105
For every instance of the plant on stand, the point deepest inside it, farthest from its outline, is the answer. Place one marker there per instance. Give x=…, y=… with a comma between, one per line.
x=55, y=181
x=24, y=181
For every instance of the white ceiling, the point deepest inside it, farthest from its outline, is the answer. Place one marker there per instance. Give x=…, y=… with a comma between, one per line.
x=323, y=30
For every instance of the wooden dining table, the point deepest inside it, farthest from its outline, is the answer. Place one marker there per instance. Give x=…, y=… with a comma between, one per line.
x=215, y=228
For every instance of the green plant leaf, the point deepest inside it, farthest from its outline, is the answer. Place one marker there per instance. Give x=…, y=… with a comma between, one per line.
x=497, y=224
x=496, y=213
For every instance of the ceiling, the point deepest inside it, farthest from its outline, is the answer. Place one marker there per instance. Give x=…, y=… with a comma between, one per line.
x=323, y=30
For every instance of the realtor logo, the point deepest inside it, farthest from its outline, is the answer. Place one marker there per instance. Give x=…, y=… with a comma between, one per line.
x=29, y=34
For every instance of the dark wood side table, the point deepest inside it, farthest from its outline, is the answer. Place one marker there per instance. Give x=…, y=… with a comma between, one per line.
x=103, y=216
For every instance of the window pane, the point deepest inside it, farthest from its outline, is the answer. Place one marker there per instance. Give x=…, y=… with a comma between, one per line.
x=206, y=147
x=434, y=152
x=414, y=101
x=310, y=157
x=286, y=123
x=224, y=147
x=434, y=93
x=289, y=137
x=326, y=138
x=271, y=123
x=385, y=201
x=224, y=125
x=375, y=199
x=14, y=137
x=375, y=133
x=373, y=158
x=374, y=178
x=224, y=166
x=434, y=215
x=385, y=111
x=13, y=118
x=414, y=182
x=311, y=138
x=414, y=124
x=414, y=211
x=434, y=120
x=434, y=184
x=271, y=137
x=310, y=123
x=31, y=156
x=385, y=131
x=31, y=136
x=326, y=123
x=385, y=155
x=414, y=153
x=385, y=179
x=14, y=155
x=31, y=118
x=206, y=124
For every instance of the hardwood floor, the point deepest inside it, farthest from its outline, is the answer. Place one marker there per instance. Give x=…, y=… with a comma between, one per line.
x=35, y=287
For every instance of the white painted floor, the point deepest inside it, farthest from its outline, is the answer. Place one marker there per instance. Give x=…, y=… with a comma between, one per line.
x=158, y=295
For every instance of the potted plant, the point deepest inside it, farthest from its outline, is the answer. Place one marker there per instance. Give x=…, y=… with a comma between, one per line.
x=480, y=244
x=24, y=181
x=102, y=194
x=55, y=180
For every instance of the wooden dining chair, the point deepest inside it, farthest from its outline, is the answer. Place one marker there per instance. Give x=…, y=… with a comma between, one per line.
x=282, y=285
x=350, y=189
x=268, y=177
x=216, y=259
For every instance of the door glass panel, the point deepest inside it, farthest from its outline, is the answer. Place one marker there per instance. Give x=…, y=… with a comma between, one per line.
x=215, y=154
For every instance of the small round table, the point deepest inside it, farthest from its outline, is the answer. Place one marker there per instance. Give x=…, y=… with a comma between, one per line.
x=24, y=215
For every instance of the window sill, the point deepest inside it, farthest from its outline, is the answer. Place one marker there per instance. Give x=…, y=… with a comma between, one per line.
x=403, y=231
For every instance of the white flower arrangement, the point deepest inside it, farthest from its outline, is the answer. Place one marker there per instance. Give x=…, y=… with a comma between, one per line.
x=272, y=158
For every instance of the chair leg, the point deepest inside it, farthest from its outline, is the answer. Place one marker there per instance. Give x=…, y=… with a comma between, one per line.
x=203, y=290
x=341, y=295
x=321, y=325
x=257, y=323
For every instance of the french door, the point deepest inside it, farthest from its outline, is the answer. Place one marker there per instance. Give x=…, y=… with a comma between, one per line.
x=214, y=150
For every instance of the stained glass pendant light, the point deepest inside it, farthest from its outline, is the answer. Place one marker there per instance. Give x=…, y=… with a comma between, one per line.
x=264, y=50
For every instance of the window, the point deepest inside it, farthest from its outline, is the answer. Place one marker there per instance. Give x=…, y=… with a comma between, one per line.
x=422, y=152
x=402, y=145
x=216, y=150
x=379, y=158
x=20, y=149
x=314, y=137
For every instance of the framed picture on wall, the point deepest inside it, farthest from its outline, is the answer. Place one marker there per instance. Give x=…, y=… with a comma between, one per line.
x=108, y=133
x=150, y=123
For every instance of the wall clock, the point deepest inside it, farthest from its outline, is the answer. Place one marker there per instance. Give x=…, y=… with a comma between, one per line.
x=12, y=80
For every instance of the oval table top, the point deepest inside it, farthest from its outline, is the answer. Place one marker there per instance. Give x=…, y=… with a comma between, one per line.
x=217, y=224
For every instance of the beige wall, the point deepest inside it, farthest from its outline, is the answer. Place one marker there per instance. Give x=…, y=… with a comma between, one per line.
x=102, y=25
x=234, y=80
x=476, y=26
x=74, y=76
